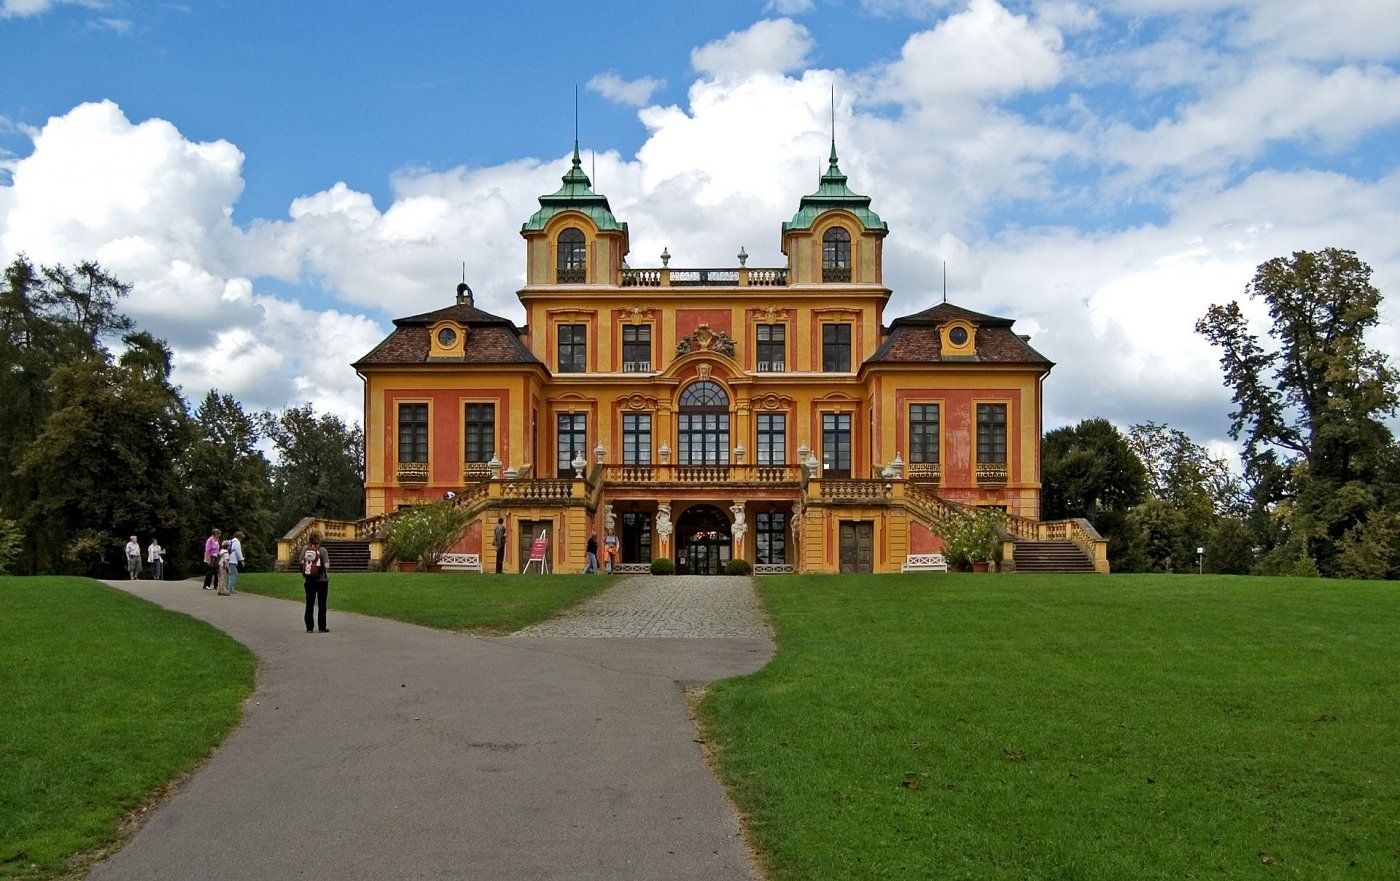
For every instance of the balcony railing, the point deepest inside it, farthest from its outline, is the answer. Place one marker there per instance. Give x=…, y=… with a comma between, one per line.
x=636, y=366
x=725, y=278
x=694, y=474
x=925, y=472
x=991, y=472
x=771, y=366
x=413, y=472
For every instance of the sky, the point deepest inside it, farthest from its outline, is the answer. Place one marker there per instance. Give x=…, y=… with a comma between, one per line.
x=278, y=181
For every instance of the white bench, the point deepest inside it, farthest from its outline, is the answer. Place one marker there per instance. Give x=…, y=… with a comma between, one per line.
x=460, y=562
x=924, y=563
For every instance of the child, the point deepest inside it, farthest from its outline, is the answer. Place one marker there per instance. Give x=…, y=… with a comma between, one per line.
x=221, y=572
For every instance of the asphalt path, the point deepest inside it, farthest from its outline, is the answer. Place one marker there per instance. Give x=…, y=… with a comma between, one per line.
x=384, y=750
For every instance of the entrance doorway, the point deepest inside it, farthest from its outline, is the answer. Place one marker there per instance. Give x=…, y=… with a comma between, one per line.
x=703, y=543
x=857, y=546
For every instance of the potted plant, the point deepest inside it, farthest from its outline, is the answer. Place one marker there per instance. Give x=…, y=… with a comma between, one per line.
x=420, y=535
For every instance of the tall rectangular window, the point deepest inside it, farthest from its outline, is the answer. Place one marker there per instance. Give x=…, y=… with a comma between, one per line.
x=772, y=348
x=770, y=537
x=772, y=439
x=573, y=441
x=923, y=433
x=836, y=445
x=480, y=432
x=636, y=348
x=413, y=432
x=991, y=433
x=836, y=348
x=636, y=439
x=573, y=348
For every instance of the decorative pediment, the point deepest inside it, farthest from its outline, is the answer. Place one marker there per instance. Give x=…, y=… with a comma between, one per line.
x=769, y=312
x=771, y=401
x=706, y=340
x=637, y=402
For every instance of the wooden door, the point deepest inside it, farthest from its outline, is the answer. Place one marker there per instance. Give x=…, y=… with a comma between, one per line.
x=857, y=547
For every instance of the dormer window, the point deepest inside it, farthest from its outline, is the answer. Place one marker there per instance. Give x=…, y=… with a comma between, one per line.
x=836, y=255
x=573, y=263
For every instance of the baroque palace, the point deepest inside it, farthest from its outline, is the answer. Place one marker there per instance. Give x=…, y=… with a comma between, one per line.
x=703, y=415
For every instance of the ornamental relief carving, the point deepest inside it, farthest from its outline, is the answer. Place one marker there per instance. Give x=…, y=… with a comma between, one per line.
x=769, y=312
x=635, y=313
x=636, y=401
x=771, y=401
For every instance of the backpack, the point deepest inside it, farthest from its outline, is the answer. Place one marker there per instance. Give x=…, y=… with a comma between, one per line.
x=311, y=562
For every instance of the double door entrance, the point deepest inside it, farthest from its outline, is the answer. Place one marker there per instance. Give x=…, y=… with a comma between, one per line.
x=703, y=542
x=857, y=546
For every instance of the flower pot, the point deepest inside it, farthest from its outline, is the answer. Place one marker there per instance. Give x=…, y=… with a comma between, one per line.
x=408, y=565
x=980, y=566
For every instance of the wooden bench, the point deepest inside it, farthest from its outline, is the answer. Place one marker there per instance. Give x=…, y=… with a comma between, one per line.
x=924, y=563
x=460, y=562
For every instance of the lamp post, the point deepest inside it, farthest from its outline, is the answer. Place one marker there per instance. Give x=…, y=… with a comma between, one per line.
x=1200, y=561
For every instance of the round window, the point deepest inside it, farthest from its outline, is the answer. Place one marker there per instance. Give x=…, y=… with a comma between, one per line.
x=447, y=338
x=958, y=336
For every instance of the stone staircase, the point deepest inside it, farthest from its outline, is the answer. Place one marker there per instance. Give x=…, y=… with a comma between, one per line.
x=347, y=556
x=1051, y=556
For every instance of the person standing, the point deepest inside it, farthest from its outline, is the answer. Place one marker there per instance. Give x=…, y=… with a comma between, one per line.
x=498, y=541
x=155, y=555
x=610, y=552
x=592, y=567
x=221, y=571
x=235, y=558
x=315, y=573
x=133, y=559
x=211, y=558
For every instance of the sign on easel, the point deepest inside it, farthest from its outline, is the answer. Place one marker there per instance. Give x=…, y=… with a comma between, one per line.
x=538, y=549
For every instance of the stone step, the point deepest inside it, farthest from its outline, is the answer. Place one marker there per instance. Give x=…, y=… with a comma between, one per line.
x=348, y=556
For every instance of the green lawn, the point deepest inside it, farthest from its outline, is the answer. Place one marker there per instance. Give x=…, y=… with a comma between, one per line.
x=484, y=604
x=1069, y=727
x=105, y=699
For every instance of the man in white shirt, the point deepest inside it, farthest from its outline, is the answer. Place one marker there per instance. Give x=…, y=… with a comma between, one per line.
x=133, y=559
x=235, y=558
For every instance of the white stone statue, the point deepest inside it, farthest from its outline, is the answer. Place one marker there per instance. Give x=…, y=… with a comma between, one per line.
x=609, y=519
x=663, y=522
x=740, y=526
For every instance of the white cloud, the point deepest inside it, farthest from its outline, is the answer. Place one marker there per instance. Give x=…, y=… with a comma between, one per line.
x=634, y=93
x=984, y=52
x=769, y=46
x=789, y=7
x=31, y=8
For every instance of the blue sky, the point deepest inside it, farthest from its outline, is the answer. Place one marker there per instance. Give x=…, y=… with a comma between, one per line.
x=1100, y=171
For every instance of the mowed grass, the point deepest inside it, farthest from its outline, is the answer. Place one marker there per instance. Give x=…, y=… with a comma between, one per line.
x=105, y=698
x=484, y=604
x=1069, y=727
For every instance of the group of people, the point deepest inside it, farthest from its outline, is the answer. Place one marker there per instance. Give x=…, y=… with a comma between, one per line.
x=155, y=556
x=222, y=557
x=611, y=554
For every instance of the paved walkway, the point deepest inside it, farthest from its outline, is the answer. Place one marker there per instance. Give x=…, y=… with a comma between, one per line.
x=383, y=750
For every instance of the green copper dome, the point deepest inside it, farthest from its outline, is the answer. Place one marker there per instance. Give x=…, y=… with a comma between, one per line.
x=574, y=195
x=834, y=194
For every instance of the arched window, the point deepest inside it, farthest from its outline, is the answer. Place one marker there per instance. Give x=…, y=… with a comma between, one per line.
x=704, y=425
x=836, y=255
x=572, y=265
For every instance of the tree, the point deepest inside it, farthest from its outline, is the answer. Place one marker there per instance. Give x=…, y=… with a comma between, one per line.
x=1091, y=471
x=1310, y=406
x=230, y=478
x=320, y=468
x=103, y=465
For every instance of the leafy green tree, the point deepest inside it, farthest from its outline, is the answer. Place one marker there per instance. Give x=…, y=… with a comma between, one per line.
x=1230, y=547
x=1310, y=405
x=49, y=316
x=1091, y=471
x=229, y=477
x=103, y=465
x=1164, y=535
x=320, y=467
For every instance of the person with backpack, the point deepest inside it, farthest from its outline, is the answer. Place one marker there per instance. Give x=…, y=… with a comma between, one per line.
x=315, y=574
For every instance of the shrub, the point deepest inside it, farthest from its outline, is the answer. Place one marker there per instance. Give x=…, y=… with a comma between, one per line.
x=971, y=538
x=663, y=566
x=425, y=532
x=9, y=544
x=738, y=567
